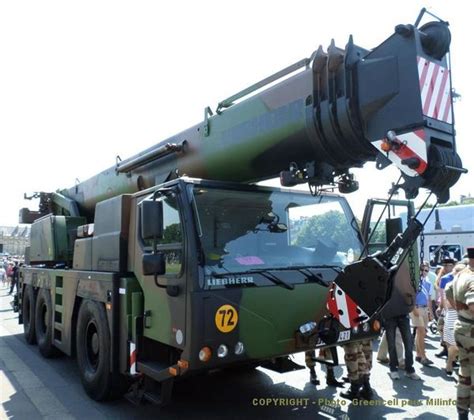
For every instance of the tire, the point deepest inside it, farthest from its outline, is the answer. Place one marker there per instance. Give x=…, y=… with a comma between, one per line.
x=93, y=349
x=44, y=324
x=28, y=314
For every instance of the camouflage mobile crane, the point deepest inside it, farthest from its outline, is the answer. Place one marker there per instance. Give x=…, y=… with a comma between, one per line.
x=174, y=262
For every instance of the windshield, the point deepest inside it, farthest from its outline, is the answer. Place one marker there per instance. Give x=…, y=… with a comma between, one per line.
x=249, y=231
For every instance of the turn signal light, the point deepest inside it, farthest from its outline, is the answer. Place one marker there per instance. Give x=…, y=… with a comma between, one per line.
x=386, y=146
x=376, y=325
x=205, y=354
x=173, y=371
x=183, y=364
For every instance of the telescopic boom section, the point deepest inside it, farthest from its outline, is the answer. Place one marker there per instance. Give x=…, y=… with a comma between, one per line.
x=312, y=122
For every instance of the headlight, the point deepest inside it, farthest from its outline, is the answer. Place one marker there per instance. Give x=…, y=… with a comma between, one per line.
x=239, y=348
x=308, y=327
x=365, y=327
x=222, y=351
x=355, y=330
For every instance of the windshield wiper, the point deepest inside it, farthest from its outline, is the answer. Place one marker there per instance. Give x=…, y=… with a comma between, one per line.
x=314, y=278
x=335, y=268
x=305, y=270
x=264, y=272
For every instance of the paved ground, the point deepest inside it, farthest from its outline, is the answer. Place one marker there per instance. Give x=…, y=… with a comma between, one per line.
x=32, y=387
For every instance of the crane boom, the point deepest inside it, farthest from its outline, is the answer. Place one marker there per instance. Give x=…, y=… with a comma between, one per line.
x=311, y=123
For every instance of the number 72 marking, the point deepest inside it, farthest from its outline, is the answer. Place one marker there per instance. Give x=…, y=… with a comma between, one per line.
x=226, y=318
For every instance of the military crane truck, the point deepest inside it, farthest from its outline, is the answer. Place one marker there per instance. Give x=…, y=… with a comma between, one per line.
x=174, y=262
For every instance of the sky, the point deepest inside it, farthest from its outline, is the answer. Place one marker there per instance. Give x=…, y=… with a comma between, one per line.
x=83, y=82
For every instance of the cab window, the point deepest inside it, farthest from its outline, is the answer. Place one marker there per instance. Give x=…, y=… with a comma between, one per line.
x=172, y=242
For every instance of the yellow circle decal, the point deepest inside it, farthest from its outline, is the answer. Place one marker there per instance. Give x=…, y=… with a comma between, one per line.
x=226, y=318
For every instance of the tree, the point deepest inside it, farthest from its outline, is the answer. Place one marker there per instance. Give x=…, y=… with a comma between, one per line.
x=172, y=234
x=330, y=226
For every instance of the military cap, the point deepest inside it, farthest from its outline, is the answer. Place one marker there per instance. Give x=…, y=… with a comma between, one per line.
x=470, y=252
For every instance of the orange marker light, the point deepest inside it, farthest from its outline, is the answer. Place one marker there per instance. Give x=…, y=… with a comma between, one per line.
x=205, y=354
x=386, y=146
x=376, y=325
x=173, y=371
x=183, y=364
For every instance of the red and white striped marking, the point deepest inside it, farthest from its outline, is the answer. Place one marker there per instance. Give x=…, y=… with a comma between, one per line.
x=133, y=358
x=435, y=90
x=412, y=144
x=344, y=309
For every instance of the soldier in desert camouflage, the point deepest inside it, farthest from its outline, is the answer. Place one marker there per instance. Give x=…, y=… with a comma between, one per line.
x=310, y=364
x=358, y=358
x=460, y=294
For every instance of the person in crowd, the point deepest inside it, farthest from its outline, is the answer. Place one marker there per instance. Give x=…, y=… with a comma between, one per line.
x=9, y=271
x=437, y=275
x=401, y=322
x=358, y=359
x=382, y=354
x=444, y=277
x=3, y=276
x=310, y=364
x=395, y=316
x=14, y=277
x=460, y=294
x=431, y=276
x=421, y=315
x=450, y=319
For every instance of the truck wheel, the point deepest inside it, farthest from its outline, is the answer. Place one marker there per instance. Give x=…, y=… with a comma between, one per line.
x=44, y=324
x=28, y=313
x=94, y=354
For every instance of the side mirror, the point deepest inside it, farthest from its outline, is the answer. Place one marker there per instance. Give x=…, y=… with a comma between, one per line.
x=154, y=264
x=151, y=216
x=278, y=228
x=392, y=228
x=268, y=218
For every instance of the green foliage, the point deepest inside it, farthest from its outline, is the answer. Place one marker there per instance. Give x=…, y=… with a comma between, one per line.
x=466, y=200
x=380, y=234
x=172, y=234
x=331, y=225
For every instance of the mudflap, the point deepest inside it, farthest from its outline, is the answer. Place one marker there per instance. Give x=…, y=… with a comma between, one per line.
x=147, y=390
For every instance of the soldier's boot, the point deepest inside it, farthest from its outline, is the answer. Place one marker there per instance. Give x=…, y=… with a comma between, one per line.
x=353, y=393
x=312, y=376
x=331, y=379
x=463, y=415
x=366, y=393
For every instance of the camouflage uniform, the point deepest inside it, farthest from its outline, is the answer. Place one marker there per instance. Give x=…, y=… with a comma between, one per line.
x=358, y=358
x=310, y=364
x=461, y=291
